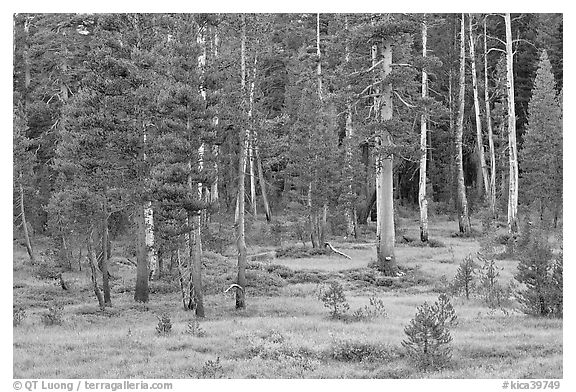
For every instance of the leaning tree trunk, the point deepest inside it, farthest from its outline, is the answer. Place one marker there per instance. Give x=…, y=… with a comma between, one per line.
x=385, y=246
x=479, y=142
x=422, y=201
x=512, y=151
x=141, y=291
x=262, y=180
x=492, y=190
x=463, y=218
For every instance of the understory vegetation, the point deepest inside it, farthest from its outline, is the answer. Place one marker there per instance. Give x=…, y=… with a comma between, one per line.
x=373, y=326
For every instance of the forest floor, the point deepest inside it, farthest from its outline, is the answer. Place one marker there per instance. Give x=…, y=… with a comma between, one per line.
x=285, y=331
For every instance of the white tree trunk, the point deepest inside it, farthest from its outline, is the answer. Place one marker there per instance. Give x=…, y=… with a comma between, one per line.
x=240, y=233
x=385, y=246
x=423, y=202
x=350, y=212
x=150, y=244
x=492, y=190
x=512, y=152
x=479, y=141
x=463, y=218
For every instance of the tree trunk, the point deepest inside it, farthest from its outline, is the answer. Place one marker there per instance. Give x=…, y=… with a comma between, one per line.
x=350, y=212
x=92, y=261
x=479, y=141
x=141, y=291
x=241, y=238
x=28, y=243
x=385, y=246
x=195, y=265
x=512, y=152
x=214, y=194
x=252, y=175
x=492, y=189
x=262, y=181
x=105, y=253
x=463, y=218
x=150, y=242
x=422, y=201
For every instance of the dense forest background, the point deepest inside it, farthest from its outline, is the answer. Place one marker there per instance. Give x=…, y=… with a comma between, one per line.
x=143, y=129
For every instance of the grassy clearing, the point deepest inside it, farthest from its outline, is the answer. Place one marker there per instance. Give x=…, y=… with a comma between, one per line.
x=285, y=332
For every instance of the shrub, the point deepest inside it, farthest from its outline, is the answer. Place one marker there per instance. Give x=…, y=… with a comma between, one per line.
x=357, y=351
x=19, y=314
x=193, y=328
x=428, y=334
x=332, y=295
x=164, y=326
x=54, y=316
x=212, y=369
x=463, y=281
x=368, y=312
x=493, y=293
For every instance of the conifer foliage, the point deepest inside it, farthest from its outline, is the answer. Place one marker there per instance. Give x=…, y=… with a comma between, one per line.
x=542, y=153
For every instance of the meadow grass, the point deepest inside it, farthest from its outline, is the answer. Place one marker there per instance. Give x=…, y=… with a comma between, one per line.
x=288, y=334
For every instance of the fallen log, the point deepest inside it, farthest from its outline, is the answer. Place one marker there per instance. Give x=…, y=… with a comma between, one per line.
x=328, y=245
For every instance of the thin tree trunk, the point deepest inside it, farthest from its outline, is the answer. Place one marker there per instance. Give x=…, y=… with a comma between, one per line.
x=422, y=201
x=492, y=189
x=27, y=240
x=262, y=180
x=241, y=237
x=197, y=295
x=350, y=212
x=92, y=261
x=385, y=247
x=105, y=253
x=512, y=152
x=252, y=176
x=26, y=59
x=463, y=218
x=214, y=194
x=479, y=142
x=141, y=291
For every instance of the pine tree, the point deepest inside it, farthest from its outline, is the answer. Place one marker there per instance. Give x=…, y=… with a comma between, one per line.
x=542, y=150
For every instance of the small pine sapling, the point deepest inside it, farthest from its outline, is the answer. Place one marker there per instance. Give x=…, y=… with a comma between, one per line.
x=334, y=299
x=464, y=279
x=491, y=289
x=534, y=271
x=164, y=326
x=428, y=342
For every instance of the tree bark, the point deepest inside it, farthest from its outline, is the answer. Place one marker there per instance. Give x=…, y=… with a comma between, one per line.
x=105, y=253
x=512, y=151
x=262, y=181
x=27, y=240
x=150, y=242
x=385, y=246
x=479, y=141
x=422, y=201
x=463, y=218
x=92, y=261
x=350, y=212
x=492, y=189
x=141, y=292
x=241, y=237
x=197, y=295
